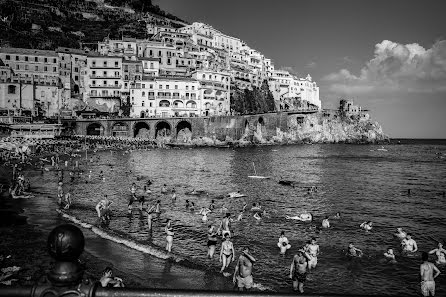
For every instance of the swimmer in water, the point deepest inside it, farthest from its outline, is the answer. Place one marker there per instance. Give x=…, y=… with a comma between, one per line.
x=337, y=215
x=325, y=223
x=212, y=205
x=353, y=251
x=164, y=189
x=409, y=245
x=227, y=253
x=304, y=217
x=174, y=195
x=283, y=243
x=440, y=252
x=187, y=204
x=400, y=233
x=366, y=225
x=390, y=255
x=59, y=193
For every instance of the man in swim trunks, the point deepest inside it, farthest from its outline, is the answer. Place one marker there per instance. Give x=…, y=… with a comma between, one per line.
x=440, y=252
x=313, y=251
x=243, y=271
x=409, y=245
x=298, y=270
x=427, y=270
x=224, y=226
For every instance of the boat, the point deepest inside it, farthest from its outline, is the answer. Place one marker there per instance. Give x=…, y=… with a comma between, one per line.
x=236, y=195
x=255, y=172
x=382, y=149
x=195, y=192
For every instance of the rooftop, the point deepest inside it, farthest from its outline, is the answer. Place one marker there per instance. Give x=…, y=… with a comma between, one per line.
x=26, y=51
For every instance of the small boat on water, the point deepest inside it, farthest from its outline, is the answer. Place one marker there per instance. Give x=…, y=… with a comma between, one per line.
x=236, y=195
x=257, y=176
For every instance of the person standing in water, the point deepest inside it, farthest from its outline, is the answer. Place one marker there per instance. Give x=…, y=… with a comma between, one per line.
x=227, y=253
x=59, y=193
x=212, y=241
x=313, y=251
x=325, y=223
x=132, y=197
x=427, y=270
x=224, y=225
x=440, y=252
x=169, y=235
x=409, y=245
x=298, y=270
x=283, y=243
x=243, y=270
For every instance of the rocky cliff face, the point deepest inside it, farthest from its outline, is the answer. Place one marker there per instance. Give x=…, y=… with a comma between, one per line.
x=321, y=128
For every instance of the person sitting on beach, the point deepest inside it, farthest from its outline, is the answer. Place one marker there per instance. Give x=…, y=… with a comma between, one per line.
x=353, y=251
x=390, y=255
x=304, y=217
x=283, y=243
x=227, y=253
x=243, y=270
x=366, y=225
x=409, y=245
x=298, y=270
x=400, y=233
x=107, y=279
x=103, y=208
x=325, y=223
x=440, y=252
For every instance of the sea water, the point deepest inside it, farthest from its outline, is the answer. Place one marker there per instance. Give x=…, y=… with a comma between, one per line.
x=359, y=181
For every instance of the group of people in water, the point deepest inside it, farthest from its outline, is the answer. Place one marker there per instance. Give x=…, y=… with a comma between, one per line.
x=305, y=259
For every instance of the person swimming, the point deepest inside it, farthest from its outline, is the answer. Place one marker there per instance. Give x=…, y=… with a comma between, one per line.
x=440, y=252
x=325, y=223
x=366, y=225
x=409, y=245
x=304, y=217
x=390, y=255
x=400, y=233
x=353, y=251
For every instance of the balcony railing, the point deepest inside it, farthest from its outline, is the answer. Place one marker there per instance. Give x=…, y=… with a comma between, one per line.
x=105, y=66
x=110, y=96
x=105, y=76
x=119, y=86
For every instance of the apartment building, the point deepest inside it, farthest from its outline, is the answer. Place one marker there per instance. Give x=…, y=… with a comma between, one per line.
x=215, y=91
x=165, y=97
x=104, y=81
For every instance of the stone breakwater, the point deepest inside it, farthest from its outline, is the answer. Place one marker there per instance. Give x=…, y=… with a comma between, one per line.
x=242, y=130
x=310, y=128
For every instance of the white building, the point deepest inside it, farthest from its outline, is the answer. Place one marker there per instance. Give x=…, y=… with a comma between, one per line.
x=165, y=97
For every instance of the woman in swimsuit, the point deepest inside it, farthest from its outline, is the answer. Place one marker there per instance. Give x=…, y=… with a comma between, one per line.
x=440, y=252
x=212, y=241
x=227, y=253
x=169, y=237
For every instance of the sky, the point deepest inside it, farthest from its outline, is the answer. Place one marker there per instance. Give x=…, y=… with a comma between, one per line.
x=388, y=56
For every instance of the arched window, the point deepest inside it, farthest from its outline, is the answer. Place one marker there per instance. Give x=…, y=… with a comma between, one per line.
x=143, y=94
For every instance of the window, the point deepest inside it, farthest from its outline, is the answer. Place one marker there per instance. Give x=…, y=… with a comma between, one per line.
x=76, y=77
x=45, y=68
x=150, y=104
x=26, y=67
x=126, y=67
x=187, y=87
x=116, y=83
x=142, y=102
x=42, y=94
x=17, y=58
x=167, y=87
x=176, y=87
x=76, y=69
x=105, y=73
x=104, y=83
x=17, y=67
x=159, y=54
x=105, y=63
x=45, y=60
x=8, y=57
x=204, y=77
x=26, y=58
x=151, y=65
x=150, y=86
x=93, y=63
x=193, y=88
x=169, y=62
x=11, y=89
x=143, y=94
x=160, y=87
x=94, y=83
x=116, y=64
x=150, y=53
x=54, y=69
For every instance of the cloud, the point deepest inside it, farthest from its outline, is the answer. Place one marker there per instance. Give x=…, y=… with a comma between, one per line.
x=399, y=67
x=311, y=65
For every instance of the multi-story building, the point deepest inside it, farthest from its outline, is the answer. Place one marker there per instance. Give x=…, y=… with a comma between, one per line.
x=215, y=91
x=104, y=82
x=165, y=97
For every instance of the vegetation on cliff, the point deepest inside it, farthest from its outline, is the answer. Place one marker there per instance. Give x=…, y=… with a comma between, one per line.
x=257, y=100
x=48, y=24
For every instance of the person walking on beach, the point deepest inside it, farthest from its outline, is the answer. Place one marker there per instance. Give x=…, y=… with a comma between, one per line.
x=427, y=270
x=227, y=253
x=169, y=235
x=243, y=270
x=212, y=241
x=298, y=270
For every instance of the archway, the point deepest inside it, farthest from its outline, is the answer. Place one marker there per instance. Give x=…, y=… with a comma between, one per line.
x=141, y=130
x=246, y=127
x=119, y=129
x=184, y=131
x=162, y=129
x=95, y=129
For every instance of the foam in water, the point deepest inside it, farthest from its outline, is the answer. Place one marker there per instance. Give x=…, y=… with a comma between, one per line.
x=129, y=243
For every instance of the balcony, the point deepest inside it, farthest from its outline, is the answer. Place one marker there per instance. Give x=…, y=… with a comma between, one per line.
x=108, y=76
x=104, y=96
x=105, y=66
x=106, y=86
